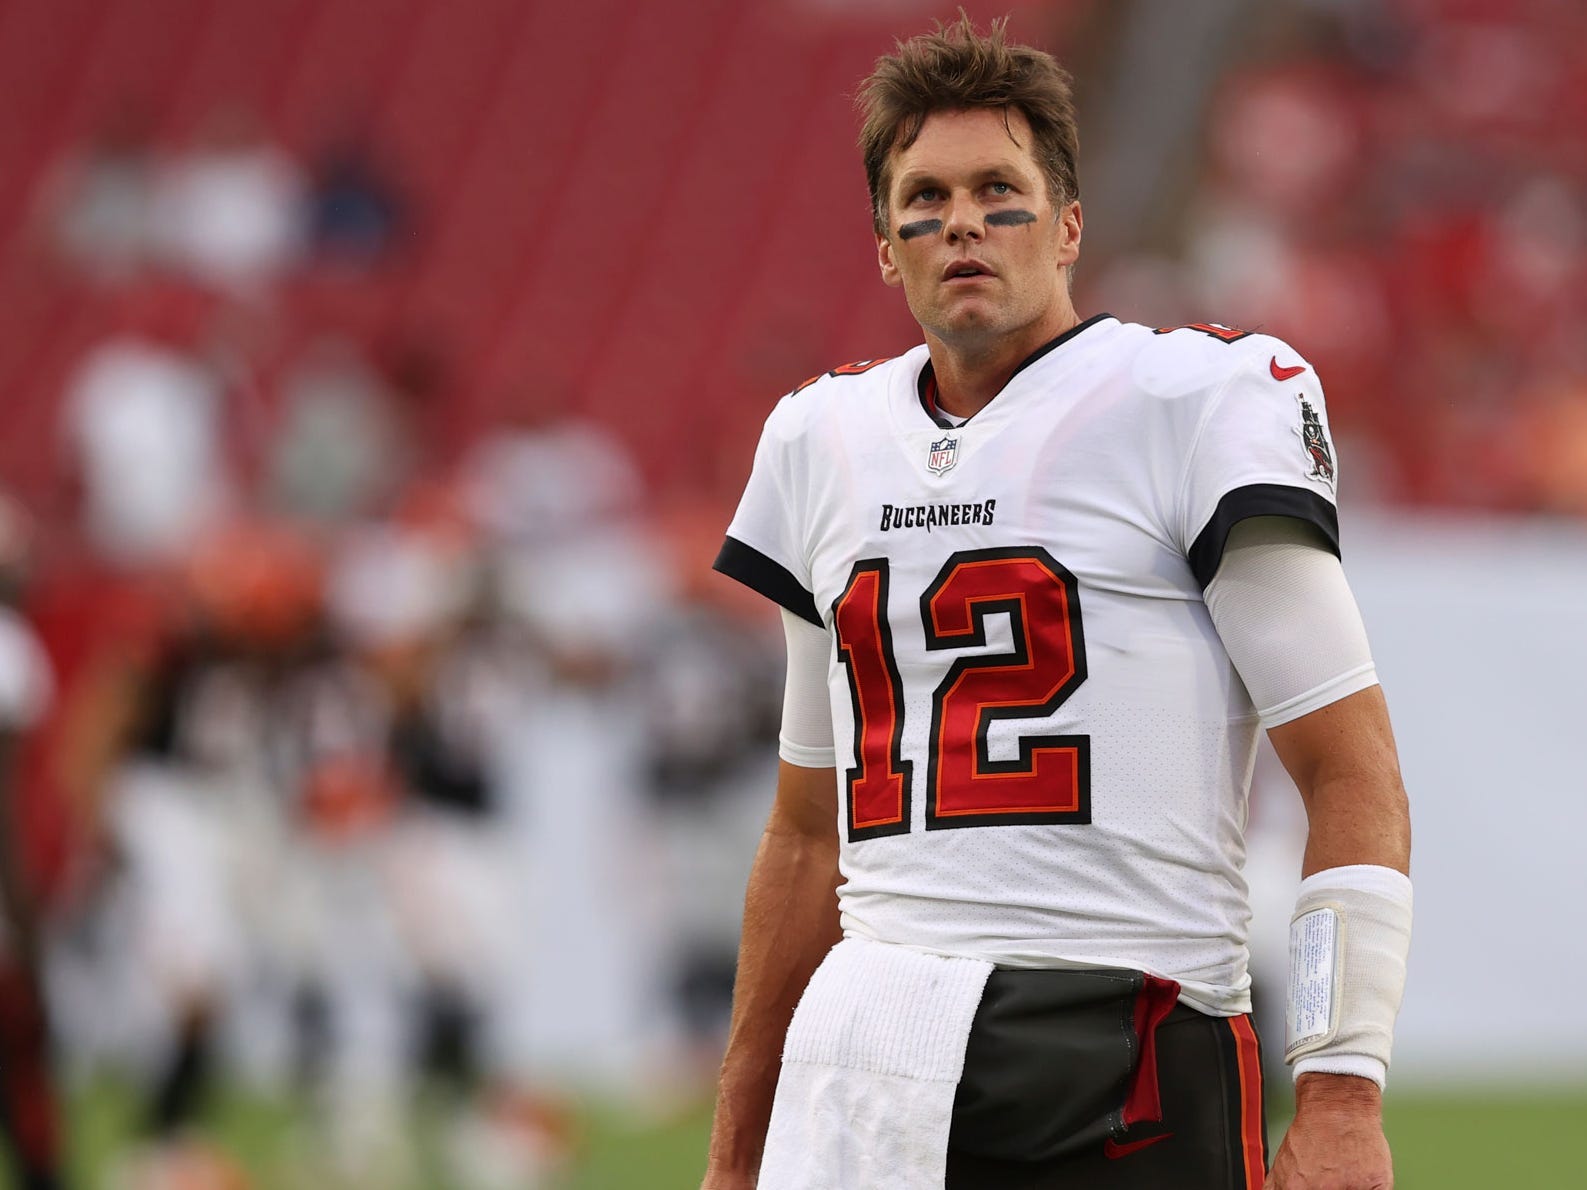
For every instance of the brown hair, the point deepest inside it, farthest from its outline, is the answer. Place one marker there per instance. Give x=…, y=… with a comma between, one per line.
x=954, y=68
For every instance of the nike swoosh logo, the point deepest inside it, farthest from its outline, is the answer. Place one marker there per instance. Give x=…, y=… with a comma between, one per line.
x=1113, y=1150
x=1284, y=373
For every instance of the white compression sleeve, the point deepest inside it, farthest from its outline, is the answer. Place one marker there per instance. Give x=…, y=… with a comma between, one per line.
x=806, y=737
x=1287, y=618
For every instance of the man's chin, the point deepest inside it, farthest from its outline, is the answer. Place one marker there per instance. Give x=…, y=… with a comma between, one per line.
x=970, y=324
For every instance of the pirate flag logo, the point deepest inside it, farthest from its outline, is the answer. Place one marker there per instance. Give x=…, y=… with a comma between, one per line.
x=1314, y=439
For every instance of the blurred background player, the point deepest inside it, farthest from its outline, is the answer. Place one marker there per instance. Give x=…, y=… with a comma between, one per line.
x=172, y=741
x=29, y=1111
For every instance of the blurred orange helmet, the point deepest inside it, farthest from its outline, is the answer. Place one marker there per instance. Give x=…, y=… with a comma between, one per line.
x=259, y=582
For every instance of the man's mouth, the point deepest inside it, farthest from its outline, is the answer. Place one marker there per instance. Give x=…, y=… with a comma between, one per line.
x=964, y=270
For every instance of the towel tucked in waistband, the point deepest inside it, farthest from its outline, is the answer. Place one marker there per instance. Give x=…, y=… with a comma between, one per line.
x=873, y=1057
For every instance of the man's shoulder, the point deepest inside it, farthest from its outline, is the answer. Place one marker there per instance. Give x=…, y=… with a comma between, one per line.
x=857, y=376
x=1199, y=358
x=842, y=390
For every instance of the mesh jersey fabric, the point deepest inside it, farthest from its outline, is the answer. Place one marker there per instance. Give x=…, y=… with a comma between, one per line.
x=1281, y=604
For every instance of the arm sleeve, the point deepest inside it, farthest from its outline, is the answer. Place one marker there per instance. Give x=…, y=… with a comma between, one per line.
x=806, y=738
x=1288, y=620
x=1261, y=449
x=764, y=549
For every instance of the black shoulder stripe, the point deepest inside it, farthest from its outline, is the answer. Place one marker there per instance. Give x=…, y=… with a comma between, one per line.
x=760, y=574
x=1259, y=499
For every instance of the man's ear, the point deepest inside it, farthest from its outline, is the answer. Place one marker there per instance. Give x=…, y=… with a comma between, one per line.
x=1071, y=223
x=884, y=258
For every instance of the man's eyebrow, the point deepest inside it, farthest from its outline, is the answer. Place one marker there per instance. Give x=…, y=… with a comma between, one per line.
x=1003, y=169
x=913, y=180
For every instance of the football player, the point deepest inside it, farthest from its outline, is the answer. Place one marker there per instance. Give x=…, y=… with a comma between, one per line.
x=1043, y=578
x=29, y=1109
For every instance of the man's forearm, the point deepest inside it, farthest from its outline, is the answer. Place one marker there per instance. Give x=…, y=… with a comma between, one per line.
x=790, y=922
x=1343, y=760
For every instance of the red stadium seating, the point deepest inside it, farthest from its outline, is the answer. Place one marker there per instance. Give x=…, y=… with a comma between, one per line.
x=654, y=211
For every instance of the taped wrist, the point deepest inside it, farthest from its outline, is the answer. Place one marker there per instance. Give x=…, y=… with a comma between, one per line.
x=1348, y=942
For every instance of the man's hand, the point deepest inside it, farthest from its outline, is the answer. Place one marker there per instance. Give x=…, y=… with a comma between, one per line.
x=1336, y=1140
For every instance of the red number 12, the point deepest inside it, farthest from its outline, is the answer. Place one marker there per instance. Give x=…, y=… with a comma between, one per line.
x=1049, y=781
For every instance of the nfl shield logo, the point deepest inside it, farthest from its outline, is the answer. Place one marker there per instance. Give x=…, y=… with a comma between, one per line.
x=944, y=454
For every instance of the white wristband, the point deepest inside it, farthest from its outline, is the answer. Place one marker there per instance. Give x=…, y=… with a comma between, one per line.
x=1348, y=943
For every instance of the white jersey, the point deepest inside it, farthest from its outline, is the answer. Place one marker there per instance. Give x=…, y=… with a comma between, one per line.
x=1043, y=750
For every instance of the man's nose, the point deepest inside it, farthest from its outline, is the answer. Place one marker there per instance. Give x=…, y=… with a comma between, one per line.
x=965, y=220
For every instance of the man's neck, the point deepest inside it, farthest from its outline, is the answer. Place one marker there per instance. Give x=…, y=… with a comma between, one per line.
x=970, y=374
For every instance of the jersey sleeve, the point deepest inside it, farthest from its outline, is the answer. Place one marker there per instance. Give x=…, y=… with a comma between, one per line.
x=1262, y=449
x=764, y=548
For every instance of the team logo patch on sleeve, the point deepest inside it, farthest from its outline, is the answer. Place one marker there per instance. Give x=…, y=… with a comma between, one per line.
x=1314, y=439
x=944, y=454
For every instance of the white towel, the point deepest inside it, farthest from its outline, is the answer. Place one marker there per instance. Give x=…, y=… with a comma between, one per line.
x=870, y=1067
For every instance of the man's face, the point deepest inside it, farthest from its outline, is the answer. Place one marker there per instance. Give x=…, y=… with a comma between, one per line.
x=972, y=235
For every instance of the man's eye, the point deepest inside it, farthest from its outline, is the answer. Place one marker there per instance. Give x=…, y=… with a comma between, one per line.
x=1001, y=188
x=929, y=194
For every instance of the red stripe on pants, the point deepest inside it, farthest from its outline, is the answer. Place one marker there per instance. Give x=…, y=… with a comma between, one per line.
x=1250, y=1067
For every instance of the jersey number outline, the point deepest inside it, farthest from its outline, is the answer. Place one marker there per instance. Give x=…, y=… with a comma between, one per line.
x=1228, y=334
x=1050, y=780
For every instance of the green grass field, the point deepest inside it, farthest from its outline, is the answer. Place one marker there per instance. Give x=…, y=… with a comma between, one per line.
x=1500, y=1142
x=1460, y=1140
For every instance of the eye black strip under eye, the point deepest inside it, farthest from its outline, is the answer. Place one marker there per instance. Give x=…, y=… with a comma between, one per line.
x=1014, y=218
x=921, y=227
